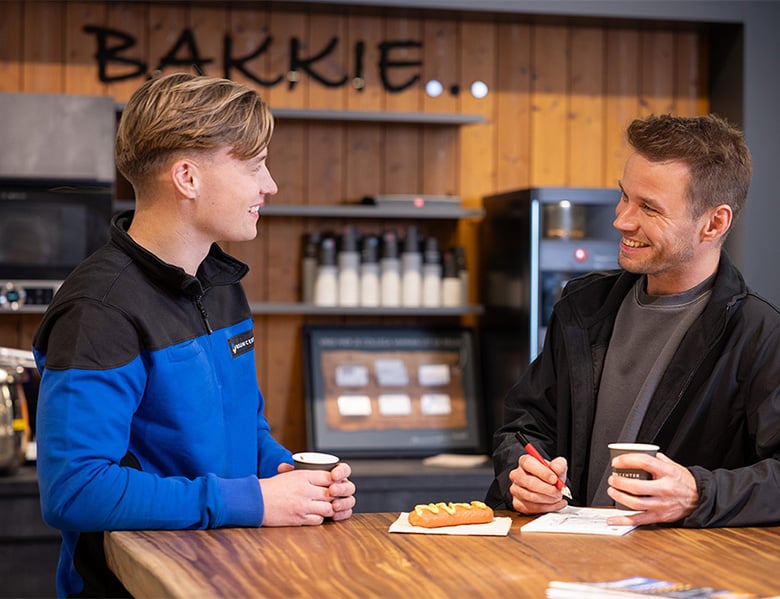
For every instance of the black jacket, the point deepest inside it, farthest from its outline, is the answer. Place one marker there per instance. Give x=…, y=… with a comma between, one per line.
x=716, y=409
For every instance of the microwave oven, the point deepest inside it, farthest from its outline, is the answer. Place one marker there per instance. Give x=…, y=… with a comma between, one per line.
x=46, y=229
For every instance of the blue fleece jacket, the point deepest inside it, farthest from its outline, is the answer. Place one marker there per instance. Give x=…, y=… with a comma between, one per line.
x=149, y=412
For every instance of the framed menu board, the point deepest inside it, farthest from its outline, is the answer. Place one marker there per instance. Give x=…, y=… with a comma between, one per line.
x=389, y=391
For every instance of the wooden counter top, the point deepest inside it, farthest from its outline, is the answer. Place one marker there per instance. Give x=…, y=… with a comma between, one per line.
x=360, y=558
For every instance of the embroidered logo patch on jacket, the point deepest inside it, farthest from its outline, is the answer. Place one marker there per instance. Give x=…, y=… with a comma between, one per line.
x=242, y=343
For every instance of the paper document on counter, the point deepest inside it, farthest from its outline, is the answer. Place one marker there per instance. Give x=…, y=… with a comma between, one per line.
x=638, y=587
x=580, y=520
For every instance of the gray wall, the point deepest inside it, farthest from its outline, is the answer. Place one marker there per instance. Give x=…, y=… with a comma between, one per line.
x=755, y=242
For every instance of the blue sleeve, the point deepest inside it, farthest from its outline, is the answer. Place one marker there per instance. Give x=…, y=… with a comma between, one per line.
x=83, y=431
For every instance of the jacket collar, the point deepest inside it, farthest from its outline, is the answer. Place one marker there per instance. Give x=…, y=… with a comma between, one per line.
x=605, y=294
x=218, y=268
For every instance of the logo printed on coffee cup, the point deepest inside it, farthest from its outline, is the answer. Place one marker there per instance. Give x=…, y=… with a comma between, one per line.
x=616, y=449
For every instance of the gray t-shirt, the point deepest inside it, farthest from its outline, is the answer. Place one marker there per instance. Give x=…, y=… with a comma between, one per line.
x=648, y=330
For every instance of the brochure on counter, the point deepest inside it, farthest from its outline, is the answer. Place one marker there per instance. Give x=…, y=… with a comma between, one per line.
x=638, y=587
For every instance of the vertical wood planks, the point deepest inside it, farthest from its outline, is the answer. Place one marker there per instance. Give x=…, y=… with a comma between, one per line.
x=657, y=82
x=10, y=331
x=327, y=31
x=622, y=99
x=131, y=19
x=284, y=381
x=585, y=144
x=44, y=48
x=165, y=29
x=11, y=46
x=440, y=144
x=363, y=141
x=513, y=106
x=691, y=83
x=283, y=27
x=549, y=105
x=208, y=25
x=80, y=48
x=476, y=168
x=402, y=164
x=477, y=151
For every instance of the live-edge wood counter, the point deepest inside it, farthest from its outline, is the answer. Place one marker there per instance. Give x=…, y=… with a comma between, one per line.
x=360, y=558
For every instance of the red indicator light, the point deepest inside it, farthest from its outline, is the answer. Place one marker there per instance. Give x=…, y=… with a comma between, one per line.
x=580, y=254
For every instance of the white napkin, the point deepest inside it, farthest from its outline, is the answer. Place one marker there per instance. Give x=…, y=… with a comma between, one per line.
x=499, y=527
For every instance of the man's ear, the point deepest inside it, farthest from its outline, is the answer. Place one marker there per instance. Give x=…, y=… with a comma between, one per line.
x=185, y=177
x=717, y=223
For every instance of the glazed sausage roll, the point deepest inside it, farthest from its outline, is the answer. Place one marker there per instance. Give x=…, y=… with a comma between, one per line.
x=433, y=515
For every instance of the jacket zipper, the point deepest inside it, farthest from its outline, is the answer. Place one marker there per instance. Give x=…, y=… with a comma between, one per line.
x=203, y=314
x=694, y=370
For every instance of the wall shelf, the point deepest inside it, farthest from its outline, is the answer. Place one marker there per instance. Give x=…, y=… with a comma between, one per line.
x=298, y=308
x=369, y=211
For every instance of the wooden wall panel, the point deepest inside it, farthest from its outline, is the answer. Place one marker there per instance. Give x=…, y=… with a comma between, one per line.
x=44, y=48
x=283, y=26
x=440, y=144
x=622, y=99
x=658, y=72
x=442, y=40
x=513, y=106
x=549, y=105
x=363, y=141
x=585, y=143
x=130, y=18
x=402, y=171
x=249, y=29
x=11, y=46
x=284, y=383
x=324, y=29
x=401, y=27
x=165, y=28
x=476, y=169
x=80, y=69
x=477, y=58
x=10, y=333
x=368, y=31
x=208, y=25
x=560, y=98
x=691, y=68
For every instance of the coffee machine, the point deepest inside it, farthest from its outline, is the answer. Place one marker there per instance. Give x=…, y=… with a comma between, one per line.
x=17, y=367
x=532, y=242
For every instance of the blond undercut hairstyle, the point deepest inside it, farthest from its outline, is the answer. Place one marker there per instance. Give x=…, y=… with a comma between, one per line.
x=182, y=112
x=715, y=152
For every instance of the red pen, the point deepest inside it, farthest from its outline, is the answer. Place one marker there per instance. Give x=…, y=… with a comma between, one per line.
x=559, y=484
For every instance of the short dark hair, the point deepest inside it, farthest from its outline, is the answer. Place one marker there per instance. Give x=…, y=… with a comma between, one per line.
x=714, y=150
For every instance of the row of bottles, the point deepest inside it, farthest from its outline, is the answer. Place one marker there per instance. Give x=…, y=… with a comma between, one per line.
x=353, y=270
